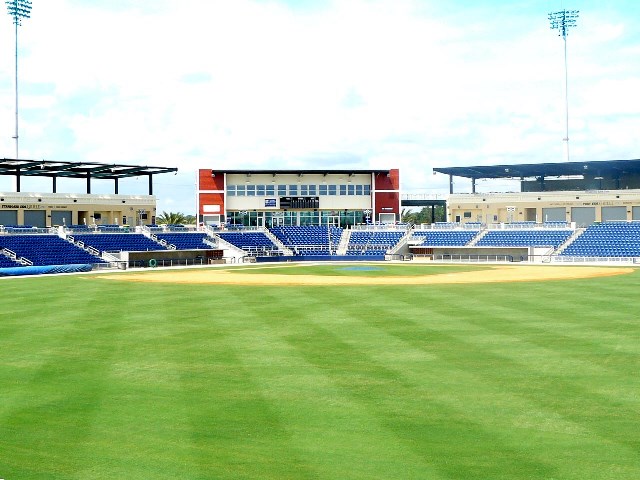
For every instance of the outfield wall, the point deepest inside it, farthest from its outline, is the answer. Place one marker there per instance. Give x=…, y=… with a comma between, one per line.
x=514, y=254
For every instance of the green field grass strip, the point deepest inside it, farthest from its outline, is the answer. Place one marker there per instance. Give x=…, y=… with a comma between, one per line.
x=423, y=371
x=335, y=432
x=355, y=270
x=501, y=381
x=405, y=396
x=583, y=406
x=497, y=363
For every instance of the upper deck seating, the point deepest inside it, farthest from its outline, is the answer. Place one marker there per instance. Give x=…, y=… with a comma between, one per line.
x=609, y=239
x=47, y=250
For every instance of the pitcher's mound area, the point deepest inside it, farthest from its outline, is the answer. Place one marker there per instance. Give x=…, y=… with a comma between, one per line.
x=491, y=274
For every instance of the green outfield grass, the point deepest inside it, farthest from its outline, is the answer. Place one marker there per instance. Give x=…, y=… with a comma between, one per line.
x=107, y=379
x=360, y=269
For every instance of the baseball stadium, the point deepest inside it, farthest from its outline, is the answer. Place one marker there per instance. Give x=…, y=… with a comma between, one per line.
x=301, y=330
x=305, y=325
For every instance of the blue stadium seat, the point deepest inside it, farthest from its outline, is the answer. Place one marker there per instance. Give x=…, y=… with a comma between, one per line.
x=309, y=239
x=184, y=241
x=117, y=242
x=252, y=242
x=45, y=250
x=608, y=239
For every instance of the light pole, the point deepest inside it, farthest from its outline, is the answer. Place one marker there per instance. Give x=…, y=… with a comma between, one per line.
x=562, y=21
x=18, y=9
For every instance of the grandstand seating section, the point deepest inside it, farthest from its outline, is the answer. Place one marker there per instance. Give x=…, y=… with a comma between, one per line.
x=116, y=242
x=524, y=238
x=6, y=262
x=611, y=239
x=47, y=250
x=251, y=242
x=184, y=241
x=309, y=240
x=438, y=238
x=372, y=242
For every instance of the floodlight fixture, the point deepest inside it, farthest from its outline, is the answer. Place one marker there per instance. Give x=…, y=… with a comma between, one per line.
x=19, y=10
x=563, y=21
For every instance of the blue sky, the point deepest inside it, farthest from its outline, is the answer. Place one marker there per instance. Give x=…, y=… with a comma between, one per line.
x=414, y=84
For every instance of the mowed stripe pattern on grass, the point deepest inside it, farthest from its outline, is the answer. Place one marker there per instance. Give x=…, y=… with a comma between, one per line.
x=102, y=378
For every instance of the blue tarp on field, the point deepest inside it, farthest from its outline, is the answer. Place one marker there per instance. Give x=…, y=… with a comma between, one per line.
x=19, y=271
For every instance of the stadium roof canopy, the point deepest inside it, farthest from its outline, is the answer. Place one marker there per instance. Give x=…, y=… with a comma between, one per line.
x=614, y=169
x=86, y=170
x=527, y=170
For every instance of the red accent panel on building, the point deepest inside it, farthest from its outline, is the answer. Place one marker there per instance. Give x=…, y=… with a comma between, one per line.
x=387, y=193
x=388, y=182
x=210, y=180
x=211, y=199
x=387, y=202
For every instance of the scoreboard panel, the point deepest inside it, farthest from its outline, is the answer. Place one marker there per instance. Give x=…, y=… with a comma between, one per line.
x=299, y=203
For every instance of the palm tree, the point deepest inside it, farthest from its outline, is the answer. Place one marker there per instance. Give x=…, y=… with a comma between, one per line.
x=174, y=218
x=424, y=215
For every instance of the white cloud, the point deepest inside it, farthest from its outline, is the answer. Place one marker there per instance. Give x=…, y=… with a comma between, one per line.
x=381, y=83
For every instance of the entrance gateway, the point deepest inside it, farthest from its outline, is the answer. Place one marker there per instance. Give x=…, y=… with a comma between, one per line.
x=333, y=221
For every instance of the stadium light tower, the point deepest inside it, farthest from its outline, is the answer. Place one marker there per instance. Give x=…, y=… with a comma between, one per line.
x=18, y=9
x=563, y=21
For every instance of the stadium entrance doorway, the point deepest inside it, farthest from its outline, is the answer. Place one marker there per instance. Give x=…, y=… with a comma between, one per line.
x=331, y=220
x=277, y=221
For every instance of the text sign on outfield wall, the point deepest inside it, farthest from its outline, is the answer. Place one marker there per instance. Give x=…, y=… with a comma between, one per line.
x=269, y=202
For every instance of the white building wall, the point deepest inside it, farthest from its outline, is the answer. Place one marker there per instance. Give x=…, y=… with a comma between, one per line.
x=327, y=202
x=83, y=207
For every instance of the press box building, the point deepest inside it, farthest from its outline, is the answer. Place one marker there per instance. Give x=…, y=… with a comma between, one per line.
x=270, y=198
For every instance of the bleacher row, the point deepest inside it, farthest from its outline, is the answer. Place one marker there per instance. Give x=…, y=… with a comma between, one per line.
x=614, y=239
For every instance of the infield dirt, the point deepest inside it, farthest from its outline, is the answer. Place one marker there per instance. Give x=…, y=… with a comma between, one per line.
x=492, y=274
